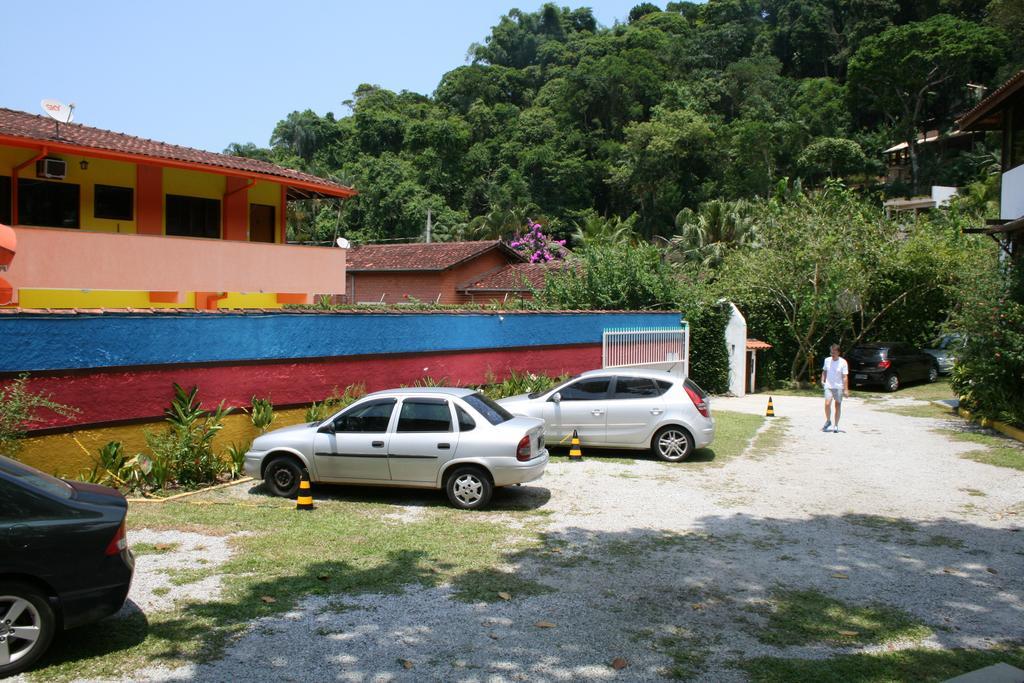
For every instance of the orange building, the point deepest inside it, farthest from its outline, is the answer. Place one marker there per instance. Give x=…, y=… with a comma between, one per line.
x=107, y=220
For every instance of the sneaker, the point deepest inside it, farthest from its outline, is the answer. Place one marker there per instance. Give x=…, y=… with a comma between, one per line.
x=828, y=423
x=836, y=430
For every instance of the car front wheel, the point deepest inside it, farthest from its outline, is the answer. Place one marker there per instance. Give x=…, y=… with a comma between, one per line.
x=892, y=382
x=933, y=374
x=469, y=488
x=283, y=475
x=672, y=444
x=27, y=624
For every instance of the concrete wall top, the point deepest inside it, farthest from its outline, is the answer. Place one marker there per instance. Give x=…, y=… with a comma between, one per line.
x=50, y=342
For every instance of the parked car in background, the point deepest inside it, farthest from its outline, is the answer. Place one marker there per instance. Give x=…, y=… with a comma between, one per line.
x=944, y=352
x=890, y=364
x=437, y=438
x=624, y=408
x=64, y=561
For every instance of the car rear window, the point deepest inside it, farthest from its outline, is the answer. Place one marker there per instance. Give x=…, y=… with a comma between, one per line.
x=866, y=353
x=693, y=385
x=33, y=478
x=491, y=411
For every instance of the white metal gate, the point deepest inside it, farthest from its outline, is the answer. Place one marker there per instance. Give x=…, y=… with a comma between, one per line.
x=647, y=346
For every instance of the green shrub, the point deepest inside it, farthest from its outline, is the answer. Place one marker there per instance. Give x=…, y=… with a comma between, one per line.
x=18, y=408
x=335, y=402
x=519, y=383
x=261, y=413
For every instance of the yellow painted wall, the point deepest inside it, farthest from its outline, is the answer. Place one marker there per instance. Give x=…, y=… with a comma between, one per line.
x=195, y=184
x=100, y=171
x=77, y=298
x=66, y=455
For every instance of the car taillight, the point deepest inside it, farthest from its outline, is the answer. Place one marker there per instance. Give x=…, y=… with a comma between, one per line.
x=698, y=403
x=523, y=452
x=884, y=364
x=119, y=542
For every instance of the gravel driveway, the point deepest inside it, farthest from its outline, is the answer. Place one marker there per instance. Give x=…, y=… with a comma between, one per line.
x=670, y=568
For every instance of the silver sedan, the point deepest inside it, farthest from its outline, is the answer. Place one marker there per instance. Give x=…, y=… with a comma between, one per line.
x=624, y=408
x=455, y=439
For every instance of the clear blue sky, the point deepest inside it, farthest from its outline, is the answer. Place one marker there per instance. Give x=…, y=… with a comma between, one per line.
x=208, y=73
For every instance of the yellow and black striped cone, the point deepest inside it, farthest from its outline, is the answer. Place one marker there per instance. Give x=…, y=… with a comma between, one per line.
x=771, y=409
x=575, y=454
x=305, y=499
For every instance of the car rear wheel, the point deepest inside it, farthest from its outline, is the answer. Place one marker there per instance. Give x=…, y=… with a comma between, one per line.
x=672, y=444
x=469, y=488
x=933, y=374
x=27, y=624
x=283, y=475
x=892, y=382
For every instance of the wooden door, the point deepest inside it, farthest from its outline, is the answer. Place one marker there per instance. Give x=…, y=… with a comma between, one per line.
x=261, y=223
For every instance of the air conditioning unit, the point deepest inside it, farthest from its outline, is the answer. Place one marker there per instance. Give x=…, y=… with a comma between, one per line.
x=51, y=168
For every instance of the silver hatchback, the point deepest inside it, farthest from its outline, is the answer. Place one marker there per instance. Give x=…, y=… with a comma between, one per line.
x=455, y=439
x=624, y=408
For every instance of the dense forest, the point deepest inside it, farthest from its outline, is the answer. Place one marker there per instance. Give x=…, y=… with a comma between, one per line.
x=559, y=119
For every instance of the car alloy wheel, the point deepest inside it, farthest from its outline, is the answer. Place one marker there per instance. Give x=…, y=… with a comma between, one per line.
x=26, y=627
x=673, y=444
x=469, y=488
x=933, y=374
x=892, y=382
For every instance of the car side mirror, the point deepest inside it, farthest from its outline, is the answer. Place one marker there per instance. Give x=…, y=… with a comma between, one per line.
x=556, y=398
x=326, y=428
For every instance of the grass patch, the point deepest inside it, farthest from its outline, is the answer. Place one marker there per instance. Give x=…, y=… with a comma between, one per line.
x=733, y=434
x=810, y=617
x=999, y=450
x=882, y=523
x=687, y=653
x=933, y=411
x=340, y=549
x=139, y=549
x=977, y=493
x=486, y=585
x=770, y=440
x=919, y=665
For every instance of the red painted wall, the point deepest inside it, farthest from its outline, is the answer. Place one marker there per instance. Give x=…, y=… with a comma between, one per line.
x=236, y=210
x=398, y=287
x=149, y=199
x=140, y=393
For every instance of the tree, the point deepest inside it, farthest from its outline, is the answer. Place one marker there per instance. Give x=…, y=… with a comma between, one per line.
x=919, y=70
x=642, y=10
x=832, y=157
x=707, y=235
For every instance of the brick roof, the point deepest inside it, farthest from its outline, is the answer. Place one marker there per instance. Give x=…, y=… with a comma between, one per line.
x=76, y=138
x=757, y=345
x=515, y=277
x=986, y=114
x=435, y=256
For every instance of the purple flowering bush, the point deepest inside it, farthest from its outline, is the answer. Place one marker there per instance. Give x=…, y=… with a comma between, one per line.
x=536, y=246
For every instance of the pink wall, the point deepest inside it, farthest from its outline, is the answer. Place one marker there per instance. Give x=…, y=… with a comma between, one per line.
x=56, y=258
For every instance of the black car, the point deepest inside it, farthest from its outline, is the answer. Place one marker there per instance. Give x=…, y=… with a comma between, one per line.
x=64, y=559
x=890, y=364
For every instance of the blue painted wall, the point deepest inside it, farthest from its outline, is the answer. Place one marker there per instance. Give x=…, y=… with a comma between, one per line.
x=66, y=342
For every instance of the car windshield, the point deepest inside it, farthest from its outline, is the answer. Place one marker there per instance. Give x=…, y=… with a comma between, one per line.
x=491, y=411
x=33, y=478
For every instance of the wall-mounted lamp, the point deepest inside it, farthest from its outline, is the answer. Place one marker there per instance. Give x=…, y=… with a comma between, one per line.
x=84, y=165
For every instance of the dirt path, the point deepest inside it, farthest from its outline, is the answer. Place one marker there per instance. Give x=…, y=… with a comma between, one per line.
x=678, y=569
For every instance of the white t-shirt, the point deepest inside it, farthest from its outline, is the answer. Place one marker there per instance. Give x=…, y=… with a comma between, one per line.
x=835, y=370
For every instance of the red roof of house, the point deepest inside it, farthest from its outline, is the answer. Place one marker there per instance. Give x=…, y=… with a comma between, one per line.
x=757, y=345
x=420, y=256
x=515, y=277
x=21, y=127
x=987, y=114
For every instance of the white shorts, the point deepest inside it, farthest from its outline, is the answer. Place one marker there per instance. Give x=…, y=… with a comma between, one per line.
x=833, y=393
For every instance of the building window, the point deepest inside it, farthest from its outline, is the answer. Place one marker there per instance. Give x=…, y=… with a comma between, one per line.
x=117, y=203
x=193, y=216
x=47, y=204
x=5, y=199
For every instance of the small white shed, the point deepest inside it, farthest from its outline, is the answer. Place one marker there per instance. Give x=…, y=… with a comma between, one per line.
x=736, y=343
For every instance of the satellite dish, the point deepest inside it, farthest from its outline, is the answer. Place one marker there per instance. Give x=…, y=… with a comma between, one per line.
x=343, y=243
x=58, y=111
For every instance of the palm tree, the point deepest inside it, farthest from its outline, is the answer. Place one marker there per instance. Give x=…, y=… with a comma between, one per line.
x=705, y=236
x=598, y=230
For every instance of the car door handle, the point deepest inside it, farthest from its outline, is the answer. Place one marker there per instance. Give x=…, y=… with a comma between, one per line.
x=597, y=413
x=656, y=411
x=444, y=446
x=377, y=444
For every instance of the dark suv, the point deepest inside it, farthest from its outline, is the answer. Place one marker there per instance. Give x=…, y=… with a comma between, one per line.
x=890, y=364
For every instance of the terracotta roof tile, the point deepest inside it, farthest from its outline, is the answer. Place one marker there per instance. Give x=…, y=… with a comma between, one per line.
x=757, y=345
x=979, y=118
x=19, y=124
x=434, y=256
x=516, y=277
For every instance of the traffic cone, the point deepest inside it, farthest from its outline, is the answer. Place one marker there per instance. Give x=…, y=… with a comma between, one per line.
x=305, y=499
x=771, y=409
x=575, y=454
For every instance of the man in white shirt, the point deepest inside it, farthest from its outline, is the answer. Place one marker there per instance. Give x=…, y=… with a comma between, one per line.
x=835, y=377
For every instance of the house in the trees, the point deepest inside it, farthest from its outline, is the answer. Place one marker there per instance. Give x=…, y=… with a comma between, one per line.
x=1003, y=111
x=107, y=220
